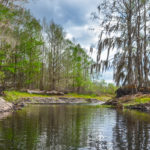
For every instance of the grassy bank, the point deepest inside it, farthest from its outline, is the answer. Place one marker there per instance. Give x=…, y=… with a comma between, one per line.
x=86, y=96
x=138, y=99
x=130, y=100
x=13, y=96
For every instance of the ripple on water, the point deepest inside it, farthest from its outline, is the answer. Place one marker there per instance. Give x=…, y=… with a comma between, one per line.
x=75, y=127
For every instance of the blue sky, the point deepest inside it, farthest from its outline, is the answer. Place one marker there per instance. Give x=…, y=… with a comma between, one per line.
x=75, y=17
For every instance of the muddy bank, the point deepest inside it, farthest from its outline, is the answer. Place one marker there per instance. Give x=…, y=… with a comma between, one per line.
x=6, y=108
x=129, y=102
x=54, y=100
x=141, y=107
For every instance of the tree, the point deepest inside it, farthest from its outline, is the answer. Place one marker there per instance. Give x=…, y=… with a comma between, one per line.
x=20, y=42
x=38, y=55
x=124, y=28
x=55, y=38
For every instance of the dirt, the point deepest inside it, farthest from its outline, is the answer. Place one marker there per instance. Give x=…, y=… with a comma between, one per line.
x=128, y=99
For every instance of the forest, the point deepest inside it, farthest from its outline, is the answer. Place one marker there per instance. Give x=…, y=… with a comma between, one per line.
x=36, y=54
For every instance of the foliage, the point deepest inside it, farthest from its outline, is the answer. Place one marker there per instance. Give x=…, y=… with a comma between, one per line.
x=102, y=87
x=38, y=56
x=68, y=65
x=19, y=45
x=124, y=29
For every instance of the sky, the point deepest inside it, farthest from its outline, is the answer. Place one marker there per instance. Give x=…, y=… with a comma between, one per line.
x=75, y=17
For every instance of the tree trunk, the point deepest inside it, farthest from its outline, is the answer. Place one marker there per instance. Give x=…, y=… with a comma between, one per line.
x=145, y=53
x=129, y=76
x=139, y=49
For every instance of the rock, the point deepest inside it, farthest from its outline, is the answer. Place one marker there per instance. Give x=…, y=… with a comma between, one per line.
x=5, y=106
x=21, y=104
x=5, y=115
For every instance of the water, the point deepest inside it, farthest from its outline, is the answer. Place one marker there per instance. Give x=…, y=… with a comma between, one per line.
x=75, y=127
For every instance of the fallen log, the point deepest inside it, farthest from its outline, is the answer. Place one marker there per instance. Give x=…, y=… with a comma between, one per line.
x=45, y=92
x=35, y=92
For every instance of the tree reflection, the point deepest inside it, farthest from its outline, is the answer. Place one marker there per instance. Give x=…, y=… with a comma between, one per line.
x=131, y=132
x=75, y=127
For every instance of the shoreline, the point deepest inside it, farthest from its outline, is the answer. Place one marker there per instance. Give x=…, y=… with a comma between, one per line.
x=139, y=102
x=126, y=102
x=52, y=100
x=22, y=102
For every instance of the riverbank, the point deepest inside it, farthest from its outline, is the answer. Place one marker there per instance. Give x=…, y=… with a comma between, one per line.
x=14, y=96
x=5, y=106
x=17, y=99
x=137, y=101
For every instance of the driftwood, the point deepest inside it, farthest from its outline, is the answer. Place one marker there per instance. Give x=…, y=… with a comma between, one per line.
x=35, y=92
x=45, y=92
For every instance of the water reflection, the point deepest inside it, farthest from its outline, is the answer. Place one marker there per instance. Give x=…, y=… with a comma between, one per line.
x=132, y=131
x=75, y=127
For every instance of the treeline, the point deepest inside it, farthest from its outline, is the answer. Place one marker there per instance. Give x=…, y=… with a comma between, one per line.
x=37, y=55
x=125, y=30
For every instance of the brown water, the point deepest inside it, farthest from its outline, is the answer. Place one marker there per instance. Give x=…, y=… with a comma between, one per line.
x=75, y=127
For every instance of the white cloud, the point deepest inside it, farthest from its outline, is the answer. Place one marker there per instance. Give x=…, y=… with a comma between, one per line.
x=69, y=36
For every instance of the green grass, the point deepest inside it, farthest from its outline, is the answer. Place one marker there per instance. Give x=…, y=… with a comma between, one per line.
x=13, y=96
x=138, y=100
x=142, y=100
x=102, y=97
